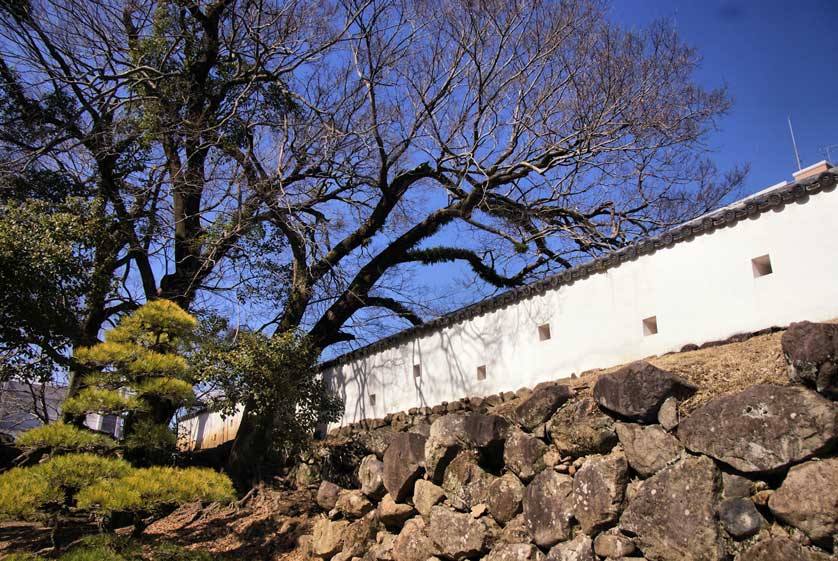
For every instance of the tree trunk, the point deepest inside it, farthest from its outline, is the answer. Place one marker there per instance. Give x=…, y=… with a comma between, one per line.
x=251, y=450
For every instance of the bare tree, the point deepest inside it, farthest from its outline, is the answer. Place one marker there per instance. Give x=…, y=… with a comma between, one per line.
x=305, y=156
x=515, y=137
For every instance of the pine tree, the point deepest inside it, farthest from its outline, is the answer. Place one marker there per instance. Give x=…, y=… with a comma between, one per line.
x=139, y=373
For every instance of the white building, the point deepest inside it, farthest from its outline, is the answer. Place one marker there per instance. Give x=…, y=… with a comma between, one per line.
x=769, y=259
x=766, y=260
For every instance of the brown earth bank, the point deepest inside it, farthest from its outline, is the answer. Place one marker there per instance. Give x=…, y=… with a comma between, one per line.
x=720, y=453
x=266, y=525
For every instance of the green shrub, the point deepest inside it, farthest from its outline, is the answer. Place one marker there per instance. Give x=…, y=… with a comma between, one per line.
x=23, y=494
x=95, y=400
x=77, y=471
x=286, y=395
x=32, y=493
x=150, y=443
x=155, y=489
x=61, y=436
x=49, y=490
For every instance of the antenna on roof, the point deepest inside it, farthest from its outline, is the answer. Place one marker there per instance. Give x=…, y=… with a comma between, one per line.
x=794, y=143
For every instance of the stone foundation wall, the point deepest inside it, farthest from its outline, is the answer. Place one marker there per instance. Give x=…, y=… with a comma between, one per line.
x=559, y=474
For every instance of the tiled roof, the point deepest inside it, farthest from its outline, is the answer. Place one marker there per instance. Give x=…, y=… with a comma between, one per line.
x=754, y=205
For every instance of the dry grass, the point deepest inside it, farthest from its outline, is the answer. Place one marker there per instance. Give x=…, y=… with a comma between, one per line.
x=720, y=370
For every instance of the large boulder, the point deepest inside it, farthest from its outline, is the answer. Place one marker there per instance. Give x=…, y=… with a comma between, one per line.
x=579, y=548
x=808, y=499
x=392, y=514
x=515, y=531
x=413, y=542
x=458, y=535
x=673, y=513
x=638, y=390
x=648, y=449
x=327, y=495
x=353, y=504
x=504, y=498
x=515, y=552
x=404, y=462
x=548, y=508
x=360, y=535
x=541, y=405
x=780, y=549
x=452, y=434
x=763, y=428
x=382, y=550
x=376, y=441
x=599, y=489
x=613, y=544
x=371, y=476
x=580, y=428
x=426, y=495
x=523, y=454
x=465, y=483
x=327, y=540
x=811, y=350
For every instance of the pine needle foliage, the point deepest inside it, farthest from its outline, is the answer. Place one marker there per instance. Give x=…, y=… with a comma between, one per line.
x=154, y=443
x=102, y=401
x=60, y=436
x=24, y=492
x=40, y=491
x=156, y=490
x=103, y=486
x=139, y=371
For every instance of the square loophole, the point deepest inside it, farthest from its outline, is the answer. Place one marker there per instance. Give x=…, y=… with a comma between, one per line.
x=417, y=370
x=761, y=266
x=372, y=399
x=481, y=372
x=544, y=332
x=650, y=326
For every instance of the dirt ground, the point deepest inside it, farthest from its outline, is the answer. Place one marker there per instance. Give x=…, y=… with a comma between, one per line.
x=265, y=526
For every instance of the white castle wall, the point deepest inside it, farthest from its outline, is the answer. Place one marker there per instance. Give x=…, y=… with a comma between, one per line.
x=699, y=290
x=207, y=430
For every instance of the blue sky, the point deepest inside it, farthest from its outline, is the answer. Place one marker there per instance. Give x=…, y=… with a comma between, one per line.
x=777, y=58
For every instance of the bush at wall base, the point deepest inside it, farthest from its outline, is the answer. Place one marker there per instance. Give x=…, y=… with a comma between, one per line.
x=109, y=488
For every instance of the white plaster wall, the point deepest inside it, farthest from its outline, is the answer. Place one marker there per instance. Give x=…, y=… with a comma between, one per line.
x=207, y=430
x=700, y=290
